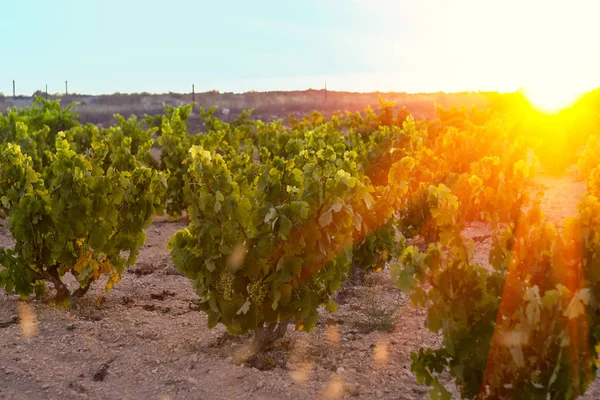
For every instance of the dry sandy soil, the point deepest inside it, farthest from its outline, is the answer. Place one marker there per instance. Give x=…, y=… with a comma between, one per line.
x=146, y=340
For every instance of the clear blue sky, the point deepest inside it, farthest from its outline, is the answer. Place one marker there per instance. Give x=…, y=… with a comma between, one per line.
x=103, y=46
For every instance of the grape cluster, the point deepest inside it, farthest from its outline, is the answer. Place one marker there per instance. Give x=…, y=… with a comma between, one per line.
x=256, y=292
x=225, y=285
x=312, y=287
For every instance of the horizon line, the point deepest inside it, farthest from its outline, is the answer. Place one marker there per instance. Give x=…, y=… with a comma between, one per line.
x=218, y=92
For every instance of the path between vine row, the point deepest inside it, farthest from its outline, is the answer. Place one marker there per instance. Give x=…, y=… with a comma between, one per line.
x=146, y=340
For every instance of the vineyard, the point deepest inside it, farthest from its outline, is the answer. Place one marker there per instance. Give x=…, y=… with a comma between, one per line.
x=363, y=255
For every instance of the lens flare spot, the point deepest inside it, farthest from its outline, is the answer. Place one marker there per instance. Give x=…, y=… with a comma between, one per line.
x=380, y=352
x=301, y=372
x=334, y=389
x=333, y=334
x=242, y=353
x=27, y=320
x=236, y=258
x=299, y=364
x=514, y=338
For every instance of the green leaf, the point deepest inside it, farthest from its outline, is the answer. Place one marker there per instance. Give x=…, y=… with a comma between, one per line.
x=263, y=182
x=332, y=306
x=276, y=297
x=163, y=180
x=404, y=282
x=124, y=181
x=244, y=308
x=212, y=302
x=31, y=176
x=210, y=265
x=439, y=392
x=225, y=249
x=434, y=322
x=367, y=198
x=285, y=226
x=357, y=221
x=337, y=206
x=272, y=214
x=325, y=219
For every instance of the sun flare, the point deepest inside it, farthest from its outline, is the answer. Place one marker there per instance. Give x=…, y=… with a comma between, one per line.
x=551, y=98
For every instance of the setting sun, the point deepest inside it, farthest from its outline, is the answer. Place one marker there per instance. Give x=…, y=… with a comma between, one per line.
x=551, y=98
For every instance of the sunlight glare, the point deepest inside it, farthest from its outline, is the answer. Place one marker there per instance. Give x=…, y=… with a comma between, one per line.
x=334, y=389
x=28, y=320
x=333, y=334
x=552, y=98
x=380, y=352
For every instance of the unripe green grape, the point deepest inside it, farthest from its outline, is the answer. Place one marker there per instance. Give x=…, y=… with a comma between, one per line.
x=225, y=285
x=256, y=292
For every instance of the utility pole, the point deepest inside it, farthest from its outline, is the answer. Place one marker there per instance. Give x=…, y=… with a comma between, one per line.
x=66, y=88
x=46, y=92
x=193, y=94
x=14, y=93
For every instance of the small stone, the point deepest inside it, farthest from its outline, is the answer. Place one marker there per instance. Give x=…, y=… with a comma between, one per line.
x=260, y=384
x=353, y=390
x=155, y=370
x=192, y=381
x=341, y=370
x=379, y=394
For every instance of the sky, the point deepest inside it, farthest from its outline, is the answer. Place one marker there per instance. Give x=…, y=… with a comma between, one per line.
x=107, y=46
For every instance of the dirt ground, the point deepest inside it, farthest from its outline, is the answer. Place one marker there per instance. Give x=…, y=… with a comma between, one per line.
x=147, y=340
